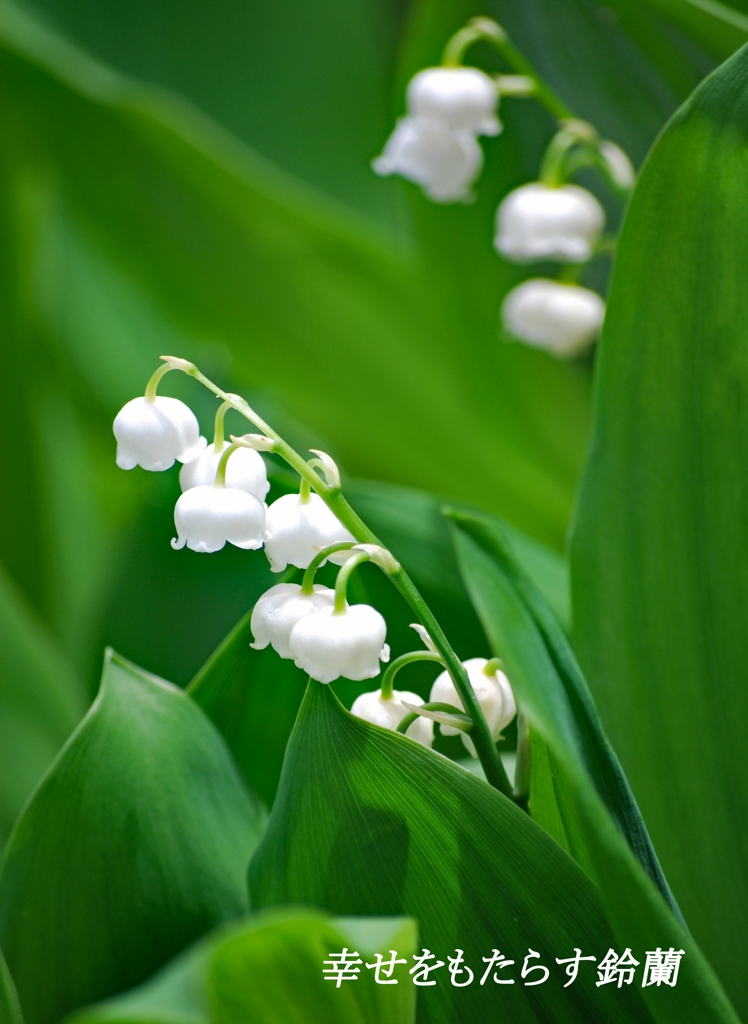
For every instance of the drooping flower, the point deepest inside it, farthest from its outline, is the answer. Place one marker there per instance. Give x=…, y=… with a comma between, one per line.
x=153, y=433
x=444, y=163
x=297, y=529
x=208, y=517
x=563, y=319
x=537, y=222
x=492, y=690
x=460, y=99
x=329, y=644
x=388, y=714
x=245, y=471
x=280, y=608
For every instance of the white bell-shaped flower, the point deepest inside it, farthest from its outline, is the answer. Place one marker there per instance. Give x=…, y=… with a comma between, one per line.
x=389, y=713
x=493, y=692
x=152, y=434
x=280, y=608
x=296, y=530
x=444, y=163
x=460, y=99
x=245, y=471
x=207, y=517
x=563, y=319
x=329, y=644
x=537, y=222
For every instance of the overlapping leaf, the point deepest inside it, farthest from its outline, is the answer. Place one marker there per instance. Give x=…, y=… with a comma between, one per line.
x=268, y=969
x=660, y=542
x=369, y=822
x=135, y=843
x=593, y=799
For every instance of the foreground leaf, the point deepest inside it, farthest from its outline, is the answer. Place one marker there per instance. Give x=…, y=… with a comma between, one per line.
x=660, y=545
x=369, y=822
x=135, y=843
x=268, y=969
x=593, y=798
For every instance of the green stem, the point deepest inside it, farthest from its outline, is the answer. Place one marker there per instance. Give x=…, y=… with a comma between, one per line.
x=392, y=669
x=341, y=583
x=150, y=388
x=486, y=30
x=218, y=439
x=333, y=498
x=307, y=584
x=305, y=492
x=523, y=768
x=220, y=480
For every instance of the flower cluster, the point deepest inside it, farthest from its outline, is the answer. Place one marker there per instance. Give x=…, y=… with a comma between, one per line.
x=224, y=490
x=223, y=501
x=435, y=145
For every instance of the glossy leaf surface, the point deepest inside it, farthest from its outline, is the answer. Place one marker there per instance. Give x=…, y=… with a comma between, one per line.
x=369, y=822
x=268, y=968
x=660, y=541
x=596, y=798
x=135, y=843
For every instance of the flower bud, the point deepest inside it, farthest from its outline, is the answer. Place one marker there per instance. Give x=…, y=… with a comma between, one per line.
x=563, y=319
x=327, y=644
x=536, y=222
x=296, y=530
x=154, y=434
x=245, y=471
x=621, y=169
x=207, y=517
x=460, y=99
x=493, y=692
x=444, y=163
x=389, y=713
x=280, y=608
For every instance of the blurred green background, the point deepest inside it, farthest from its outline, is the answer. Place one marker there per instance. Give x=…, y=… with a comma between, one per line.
x=194, y=179
x=225, y=210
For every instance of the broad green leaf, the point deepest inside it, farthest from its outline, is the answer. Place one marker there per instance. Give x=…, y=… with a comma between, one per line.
x=595, y=796
x=253, y=698
x=369, y=822
x=308, y=297
x=10, y=1008
x=268, y=968
x=41, y=698
x=660, y=541
x=135, y=843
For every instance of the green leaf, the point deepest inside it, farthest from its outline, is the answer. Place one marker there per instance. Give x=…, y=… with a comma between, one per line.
x=369, y=822
x=660, y=546
x=135, y=843
x=253, y=698
x=10, y=1008
x=41, y=697
x=594, y=795
x=268, y=968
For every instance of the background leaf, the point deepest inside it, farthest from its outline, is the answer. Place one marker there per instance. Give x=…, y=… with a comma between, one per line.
x=659, y=547
x=10, y=1008
x=369, y=822
x=268, y=968
x=41, y=697
x=135, y=843
x=594, y=795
